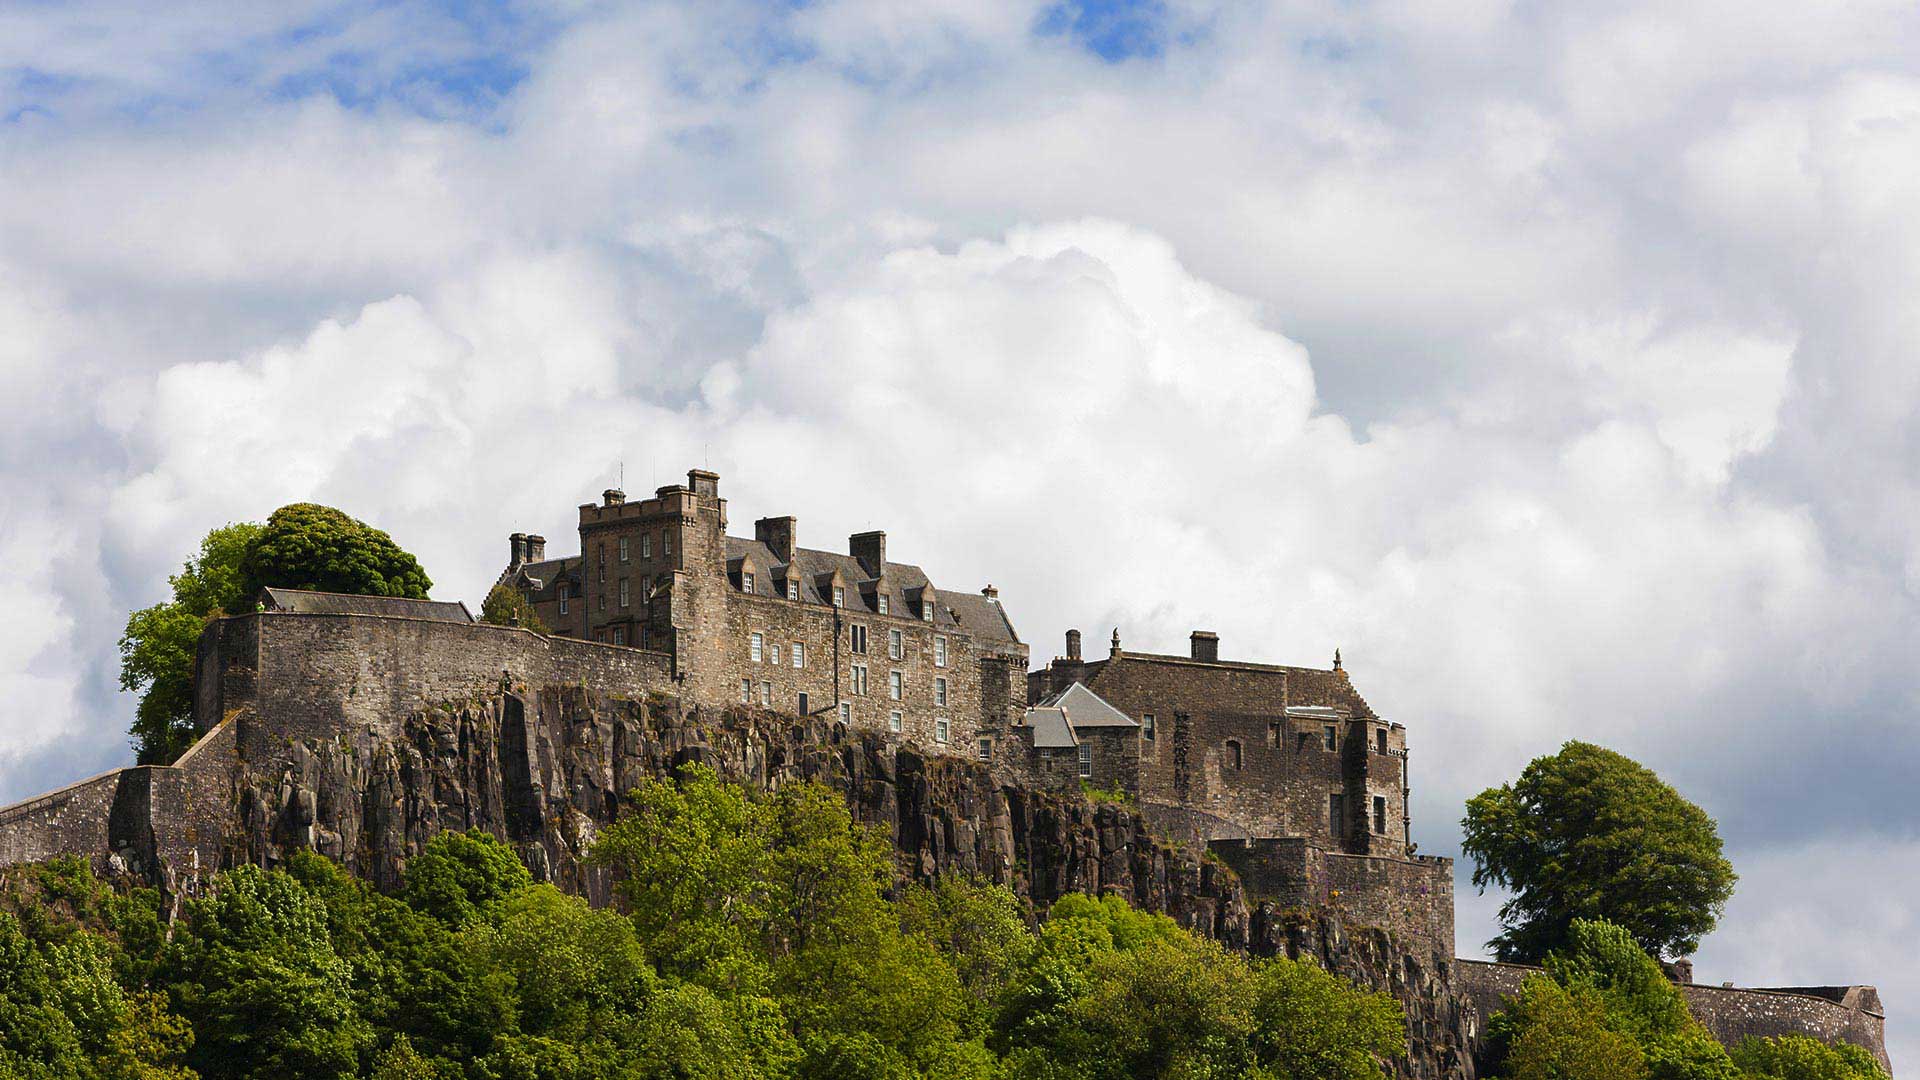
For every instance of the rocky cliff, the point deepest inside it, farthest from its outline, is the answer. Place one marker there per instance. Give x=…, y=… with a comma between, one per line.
x=547, y=768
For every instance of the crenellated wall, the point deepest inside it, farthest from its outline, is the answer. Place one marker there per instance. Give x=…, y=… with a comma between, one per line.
x=1412, y=897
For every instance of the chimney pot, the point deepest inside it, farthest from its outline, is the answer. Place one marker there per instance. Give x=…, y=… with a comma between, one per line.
x=1206, y=645
x=1073, y=644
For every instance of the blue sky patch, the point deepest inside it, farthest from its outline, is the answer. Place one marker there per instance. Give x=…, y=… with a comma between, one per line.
x=1113, y=30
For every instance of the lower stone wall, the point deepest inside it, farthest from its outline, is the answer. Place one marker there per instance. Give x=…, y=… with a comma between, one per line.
x=1413, y=898
x=72, y=820
x=1835, y=1014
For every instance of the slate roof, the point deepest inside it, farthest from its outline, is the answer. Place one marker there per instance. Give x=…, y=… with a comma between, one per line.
x=1086, y=709
x=308, y=602
x=969, y=612
x=542, y=576
x=1051, y=731
x=1181, y=676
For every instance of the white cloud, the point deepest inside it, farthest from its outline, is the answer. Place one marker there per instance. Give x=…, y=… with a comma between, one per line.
x=1555, y=362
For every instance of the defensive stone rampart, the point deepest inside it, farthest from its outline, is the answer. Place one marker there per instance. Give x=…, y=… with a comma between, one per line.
x=1413, y=897
x=1836, y=1014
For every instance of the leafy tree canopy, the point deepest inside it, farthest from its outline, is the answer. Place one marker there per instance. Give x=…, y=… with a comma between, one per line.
x=507, y=606
x=1589, y=834
x=309, y=546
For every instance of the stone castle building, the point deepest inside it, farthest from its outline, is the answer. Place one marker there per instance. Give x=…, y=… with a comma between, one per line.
x=360, y=726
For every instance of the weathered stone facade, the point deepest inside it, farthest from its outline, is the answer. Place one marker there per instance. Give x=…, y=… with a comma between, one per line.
x=767, y=622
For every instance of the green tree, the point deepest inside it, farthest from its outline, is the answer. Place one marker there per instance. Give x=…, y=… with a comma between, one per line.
x=1798, y=1057
x=158, y=645
x=458, y=874
x=1311, y=1025
x=980, y=929
x=256, y=972
x=309, y=546
x=1588, y=833
x=1559, y=1033
x=507, y=606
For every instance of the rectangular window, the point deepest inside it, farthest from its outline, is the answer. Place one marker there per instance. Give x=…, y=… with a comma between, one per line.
x=859, y=680
x=646, y=545
x=846, y=712
x=926, y=610
x=602, y=548
x=746, y=582
x=563, y=599
x=793, y=589
x=839, y=596
x=773, y=653
x=766, y=694
x=857, y=639
x=881, y=600
x=1380, y=740
x=939, y=651
x=619, y=635
x=1379, y=814
x=940, y=692
x=896, y=685
x=1086, y=759
x=666, y=543
x=986, y=749
x=1330, y=735
x=600, y=601
x=623, y=549
x=746, y=691
x=1336, y=818
x=803, y=703
x=799, y=655
x=1146, y=727
x=896, y=645
x=895, y=722
x=754, y=644
x=623, y=592
x=940, y=730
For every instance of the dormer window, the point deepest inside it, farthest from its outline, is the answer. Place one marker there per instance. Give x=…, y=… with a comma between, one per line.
x=880, y=601
x=926, y=610
x=746, y=582
x=839, y=597
x=793, y=589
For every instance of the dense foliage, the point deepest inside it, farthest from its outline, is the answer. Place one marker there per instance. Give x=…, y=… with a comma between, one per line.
x=1589, y=834
x=507, y=606
x=309, y=546
x=766, y=938
x=302, y=546
x=1604, y=1010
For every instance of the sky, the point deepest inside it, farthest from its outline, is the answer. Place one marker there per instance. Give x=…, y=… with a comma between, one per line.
x=1555, y=362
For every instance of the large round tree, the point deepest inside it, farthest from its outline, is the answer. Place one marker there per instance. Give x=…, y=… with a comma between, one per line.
x=309, y=546
x=1590, y=834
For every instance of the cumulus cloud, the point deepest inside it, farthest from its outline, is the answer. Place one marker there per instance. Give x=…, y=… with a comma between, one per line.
x=1552, y=361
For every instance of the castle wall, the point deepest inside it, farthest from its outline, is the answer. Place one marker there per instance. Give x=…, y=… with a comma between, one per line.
x=310, y=676
x=1835, y=1014
x=1412, y=898
x=70, y=821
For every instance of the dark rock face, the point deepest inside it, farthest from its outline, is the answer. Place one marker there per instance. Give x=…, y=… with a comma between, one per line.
x=546, y=770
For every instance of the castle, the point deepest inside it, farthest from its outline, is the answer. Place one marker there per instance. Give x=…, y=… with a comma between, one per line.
x=358, y=726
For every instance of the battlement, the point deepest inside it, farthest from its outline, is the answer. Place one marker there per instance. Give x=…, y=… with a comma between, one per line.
x=1411, y=897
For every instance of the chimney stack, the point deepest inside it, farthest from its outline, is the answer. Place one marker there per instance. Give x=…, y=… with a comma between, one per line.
x=1206, y=645
x=1073, y=644
x=778, y=534
x=536, y=548
x=991, y=593
x=517, y=544
x=871, y=549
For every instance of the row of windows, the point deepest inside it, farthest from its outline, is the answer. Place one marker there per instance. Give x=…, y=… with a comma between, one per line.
x=759, y=650
x=757, y=646
x=896, y=720
x=882, y=602
x=896, y=684
x=646, y=549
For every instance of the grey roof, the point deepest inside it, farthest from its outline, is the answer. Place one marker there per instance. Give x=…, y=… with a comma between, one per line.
x=969, y=612
x=1086, y=709
x=1050, y=728
x=308, y=602
x=542, y=576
